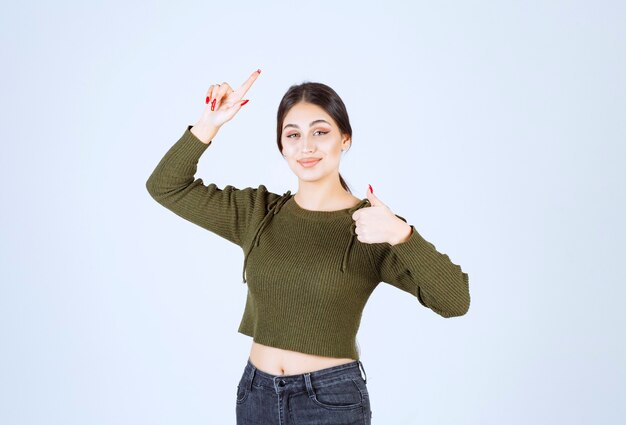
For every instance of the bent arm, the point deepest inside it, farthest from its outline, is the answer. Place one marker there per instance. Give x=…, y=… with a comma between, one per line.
x=225, y=212
x=415, y=266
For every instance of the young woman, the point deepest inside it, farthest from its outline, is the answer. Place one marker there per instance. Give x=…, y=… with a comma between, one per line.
x=311, y=259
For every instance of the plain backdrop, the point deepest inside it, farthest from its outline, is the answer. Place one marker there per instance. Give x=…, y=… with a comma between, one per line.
x=496, y=128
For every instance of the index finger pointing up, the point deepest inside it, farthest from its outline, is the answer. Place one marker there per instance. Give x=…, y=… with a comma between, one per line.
x=247, y=84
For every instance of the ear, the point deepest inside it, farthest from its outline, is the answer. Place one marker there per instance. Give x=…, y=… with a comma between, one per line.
x=345, y=144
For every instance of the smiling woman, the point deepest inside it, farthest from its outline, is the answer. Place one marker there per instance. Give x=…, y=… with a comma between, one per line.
x=314, y=125
x=311, y=260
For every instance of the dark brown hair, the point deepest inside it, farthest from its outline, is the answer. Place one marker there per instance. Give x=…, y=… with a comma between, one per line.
x=318, y=94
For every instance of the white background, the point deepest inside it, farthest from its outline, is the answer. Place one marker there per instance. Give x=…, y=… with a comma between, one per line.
x=496, y=128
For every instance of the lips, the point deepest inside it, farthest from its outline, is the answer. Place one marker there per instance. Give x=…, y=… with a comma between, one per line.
x=309, y=162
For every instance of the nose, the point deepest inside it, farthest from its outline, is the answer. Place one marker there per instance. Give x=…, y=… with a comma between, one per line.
x=306, y=146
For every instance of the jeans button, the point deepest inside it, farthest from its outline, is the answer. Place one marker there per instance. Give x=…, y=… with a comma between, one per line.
x=281, y=383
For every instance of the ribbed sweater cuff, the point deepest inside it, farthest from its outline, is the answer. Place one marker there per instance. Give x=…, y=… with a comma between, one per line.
x=189, y=147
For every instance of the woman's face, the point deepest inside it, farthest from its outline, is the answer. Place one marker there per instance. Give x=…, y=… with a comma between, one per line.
x=310, y=133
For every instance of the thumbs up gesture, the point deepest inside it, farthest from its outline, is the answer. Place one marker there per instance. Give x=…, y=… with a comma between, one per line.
x=378, y=223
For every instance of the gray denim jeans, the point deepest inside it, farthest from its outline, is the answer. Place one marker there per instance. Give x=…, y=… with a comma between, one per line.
x=334, y=395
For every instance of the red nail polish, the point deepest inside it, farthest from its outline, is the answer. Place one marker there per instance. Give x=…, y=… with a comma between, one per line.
x=371, y=190
x=207, y=100
x=213, y=104
x=258, y=70
x=244, y=102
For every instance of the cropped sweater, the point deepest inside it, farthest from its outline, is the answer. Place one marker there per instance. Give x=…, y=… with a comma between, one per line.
x=308, y=276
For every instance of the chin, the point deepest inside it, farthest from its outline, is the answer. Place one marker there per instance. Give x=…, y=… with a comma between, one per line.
x=308, y=178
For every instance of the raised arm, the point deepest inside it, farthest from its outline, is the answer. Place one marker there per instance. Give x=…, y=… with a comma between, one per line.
x=224, y=211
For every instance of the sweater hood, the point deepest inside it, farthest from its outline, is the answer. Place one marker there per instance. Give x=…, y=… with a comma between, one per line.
x=274, y=207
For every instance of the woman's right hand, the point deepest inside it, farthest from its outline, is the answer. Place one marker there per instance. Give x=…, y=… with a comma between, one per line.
x=224, y=103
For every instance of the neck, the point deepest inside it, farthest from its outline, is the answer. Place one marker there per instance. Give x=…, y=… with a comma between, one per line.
x=326, y=195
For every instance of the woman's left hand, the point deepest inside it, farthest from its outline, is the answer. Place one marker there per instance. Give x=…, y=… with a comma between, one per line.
x=378, y=223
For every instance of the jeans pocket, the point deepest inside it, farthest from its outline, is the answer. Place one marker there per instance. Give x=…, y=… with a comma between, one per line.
x=242, y=392
x=243, y=388
x=341, y=394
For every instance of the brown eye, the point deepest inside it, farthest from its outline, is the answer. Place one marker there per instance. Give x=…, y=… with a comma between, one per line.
x=317, y=131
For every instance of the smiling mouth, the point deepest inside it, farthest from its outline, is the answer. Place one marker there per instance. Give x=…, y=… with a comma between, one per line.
x=309, y=163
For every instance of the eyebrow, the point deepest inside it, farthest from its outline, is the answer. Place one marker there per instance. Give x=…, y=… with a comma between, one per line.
x=310, y=125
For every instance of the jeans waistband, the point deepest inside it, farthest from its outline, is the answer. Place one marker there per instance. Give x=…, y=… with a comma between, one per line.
x=347, y=369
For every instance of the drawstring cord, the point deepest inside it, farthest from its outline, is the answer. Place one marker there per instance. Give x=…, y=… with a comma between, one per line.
x=274, y=208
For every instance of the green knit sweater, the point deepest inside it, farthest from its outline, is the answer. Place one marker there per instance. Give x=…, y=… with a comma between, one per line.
x=308, y=275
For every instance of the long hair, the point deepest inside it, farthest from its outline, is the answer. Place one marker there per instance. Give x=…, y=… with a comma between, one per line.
x=318, y=94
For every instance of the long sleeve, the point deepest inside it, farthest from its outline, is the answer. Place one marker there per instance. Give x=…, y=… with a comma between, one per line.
x=226, y=212
x=415, y=266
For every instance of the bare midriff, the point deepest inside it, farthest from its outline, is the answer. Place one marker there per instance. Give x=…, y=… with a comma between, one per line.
x=285, y=362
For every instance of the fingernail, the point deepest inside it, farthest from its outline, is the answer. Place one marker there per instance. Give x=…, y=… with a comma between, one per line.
x=213, y=104
x=258, y=70
x=207, y=100
x=244, y=102
x=371, y=190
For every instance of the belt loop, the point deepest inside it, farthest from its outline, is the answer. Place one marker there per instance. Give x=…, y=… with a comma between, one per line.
x=309, y=386
x=363, y=368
